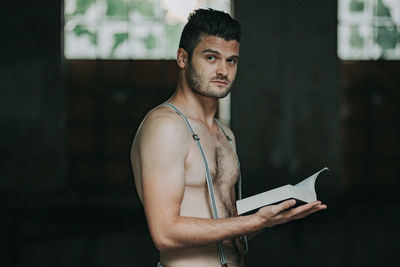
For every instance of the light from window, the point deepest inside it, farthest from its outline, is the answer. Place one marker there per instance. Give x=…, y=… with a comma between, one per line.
x=128, y=29
x=369, y=29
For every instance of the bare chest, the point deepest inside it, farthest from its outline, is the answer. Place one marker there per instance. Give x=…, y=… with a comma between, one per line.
x=221, y=161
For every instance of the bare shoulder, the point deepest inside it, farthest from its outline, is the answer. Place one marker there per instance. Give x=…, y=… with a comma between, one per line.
x=162, y=124
x=159, y=149
x=162, y=114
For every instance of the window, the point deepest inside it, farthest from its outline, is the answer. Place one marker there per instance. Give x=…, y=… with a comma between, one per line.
x=128, y=29
x=369, y=29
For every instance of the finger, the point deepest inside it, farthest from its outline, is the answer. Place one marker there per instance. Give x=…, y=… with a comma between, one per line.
x=284, y=205
x=304, y=214
x=309, y=212
x=306, y=207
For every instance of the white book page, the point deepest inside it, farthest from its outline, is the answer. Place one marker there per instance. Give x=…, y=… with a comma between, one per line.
x=263, y=199
x=303, y=195
x=309, y=183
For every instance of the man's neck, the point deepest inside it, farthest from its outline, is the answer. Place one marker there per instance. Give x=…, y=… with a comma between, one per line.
x=195, y=106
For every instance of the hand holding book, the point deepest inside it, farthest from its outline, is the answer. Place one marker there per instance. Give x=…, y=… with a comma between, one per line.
x=283, y=212
x=303, y=192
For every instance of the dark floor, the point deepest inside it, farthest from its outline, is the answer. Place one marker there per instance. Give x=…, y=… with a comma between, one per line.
x=358, y=229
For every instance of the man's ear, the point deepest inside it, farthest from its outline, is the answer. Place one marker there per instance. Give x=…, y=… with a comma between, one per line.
x=182, y=58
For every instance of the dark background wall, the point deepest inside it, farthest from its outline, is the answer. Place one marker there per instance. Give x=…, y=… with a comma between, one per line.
x=303, y=109
x=67, y=197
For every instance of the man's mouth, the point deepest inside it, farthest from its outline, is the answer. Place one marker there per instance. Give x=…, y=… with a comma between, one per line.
x=220, y=82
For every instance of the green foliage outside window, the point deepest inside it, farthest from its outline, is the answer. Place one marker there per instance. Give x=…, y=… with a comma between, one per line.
x=126, y=29
x=369, y=29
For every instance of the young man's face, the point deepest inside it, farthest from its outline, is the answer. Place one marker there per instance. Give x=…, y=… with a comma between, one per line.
x=212, y=67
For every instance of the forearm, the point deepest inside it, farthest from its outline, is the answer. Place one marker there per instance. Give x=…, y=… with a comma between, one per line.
x=190, y=231
x=180, y=231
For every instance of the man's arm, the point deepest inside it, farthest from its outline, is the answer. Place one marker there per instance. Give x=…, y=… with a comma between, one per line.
x=163, y=146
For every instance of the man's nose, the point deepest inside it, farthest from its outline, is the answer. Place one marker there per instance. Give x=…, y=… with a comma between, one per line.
x=222, y=69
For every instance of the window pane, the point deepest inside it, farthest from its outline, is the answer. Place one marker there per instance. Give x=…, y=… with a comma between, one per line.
x=369, y=29
x=128, y=29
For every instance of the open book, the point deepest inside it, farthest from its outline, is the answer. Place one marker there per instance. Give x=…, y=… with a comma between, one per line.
x=303, y=192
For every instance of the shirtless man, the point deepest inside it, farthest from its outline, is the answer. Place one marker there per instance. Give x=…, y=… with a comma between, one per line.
x=168, y=166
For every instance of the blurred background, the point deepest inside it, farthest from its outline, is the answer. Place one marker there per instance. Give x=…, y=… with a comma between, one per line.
x=318, y=85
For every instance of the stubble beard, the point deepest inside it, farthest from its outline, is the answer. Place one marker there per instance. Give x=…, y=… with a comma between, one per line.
x=196, y=83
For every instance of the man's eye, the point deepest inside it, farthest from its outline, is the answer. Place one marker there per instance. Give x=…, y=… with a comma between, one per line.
x=232, y=60
x=210, y=57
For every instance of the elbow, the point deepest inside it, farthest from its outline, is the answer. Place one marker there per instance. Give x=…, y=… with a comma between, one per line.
x=161, y=245
x=163, y=242
x=160, y=242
